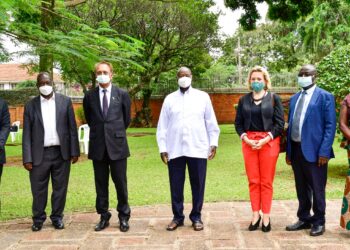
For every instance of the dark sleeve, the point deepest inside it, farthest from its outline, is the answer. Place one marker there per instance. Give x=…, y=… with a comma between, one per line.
x=27, y=137
x=278, y=117
x=4, y=125
x=74, y=147
x=86, y=107
x=239, y=122
x=126, y=106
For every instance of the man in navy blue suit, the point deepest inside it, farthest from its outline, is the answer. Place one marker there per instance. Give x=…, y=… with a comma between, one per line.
x=312, y=125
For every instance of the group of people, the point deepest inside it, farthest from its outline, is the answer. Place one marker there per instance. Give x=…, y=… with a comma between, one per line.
x=187, y=135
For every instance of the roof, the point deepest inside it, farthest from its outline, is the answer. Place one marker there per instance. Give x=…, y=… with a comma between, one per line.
x=19, y=73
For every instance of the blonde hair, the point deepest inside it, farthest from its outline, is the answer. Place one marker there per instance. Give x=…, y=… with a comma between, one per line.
x=104, y=62
x=265, y=74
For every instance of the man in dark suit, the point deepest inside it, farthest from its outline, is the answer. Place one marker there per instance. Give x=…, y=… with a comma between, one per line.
x=50, y=144
x=107, y=111
x=4, y=131
x=312, y=125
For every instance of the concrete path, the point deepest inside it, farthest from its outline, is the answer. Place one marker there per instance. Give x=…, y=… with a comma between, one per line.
x=225, y=228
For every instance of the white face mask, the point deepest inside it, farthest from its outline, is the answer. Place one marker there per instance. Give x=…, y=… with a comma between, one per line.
x=103, y=79
x=184, y=81
x=304, y=81
x=45, y=90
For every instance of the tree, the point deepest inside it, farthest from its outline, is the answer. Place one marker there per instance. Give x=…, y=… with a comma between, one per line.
x=284, y=10
x=59, y=37
x=174, y=33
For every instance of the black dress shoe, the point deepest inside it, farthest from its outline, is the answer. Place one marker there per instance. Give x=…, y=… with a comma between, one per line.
x=317, y=230
x=299, y=225
x=124, y=226
x=37, y=227
x=58, y=224
x=174, y=224
x=102, y=224
x=255, y=226
x=267, y=228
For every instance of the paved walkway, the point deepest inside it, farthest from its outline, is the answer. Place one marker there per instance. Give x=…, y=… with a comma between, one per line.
x=225, y=228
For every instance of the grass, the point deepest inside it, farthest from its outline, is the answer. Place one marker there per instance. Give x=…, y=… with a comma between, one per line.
x=148, y=177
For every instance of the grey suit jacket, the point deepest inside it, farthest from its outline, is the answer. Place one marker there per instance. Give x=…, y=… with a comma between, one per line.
x=4, y=129
x=110, y=133
x=33, y=130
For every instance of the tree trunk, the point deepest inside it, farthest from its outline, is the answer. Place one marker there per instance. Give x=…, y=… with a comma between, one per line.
x=143, y=117
x=46, y=57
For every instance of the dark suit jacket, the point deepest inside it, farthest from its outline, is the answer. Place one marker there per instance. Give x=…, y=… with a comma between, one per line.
x=33, y=130
x=318, y=129
x=4, y=129
x=110, y=133
x=272, y=114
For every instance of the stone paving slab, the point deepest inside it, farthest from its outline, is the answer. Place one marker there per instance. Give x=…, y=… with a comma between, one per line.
x=225, y=228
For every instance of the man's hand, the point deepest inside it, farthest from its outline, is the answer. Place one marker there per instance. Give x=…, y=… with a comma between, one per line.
x=288, y=161
x=28, y=166
x=322, y=161
x=74, y=159
x=212, y=152
x=164, y=157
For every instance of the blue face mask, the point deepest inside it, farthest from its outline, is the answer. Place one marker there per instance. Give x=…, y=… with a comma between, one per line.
x=304, y=81
x=257, y=86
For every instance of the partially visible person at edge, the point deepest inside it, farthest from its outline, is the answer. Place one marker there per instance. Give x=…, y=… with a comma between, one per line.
x=311, y=131
x=187, y=134
x=50, y=144
x=259, y=123
x=4, y=132
x=344, y=128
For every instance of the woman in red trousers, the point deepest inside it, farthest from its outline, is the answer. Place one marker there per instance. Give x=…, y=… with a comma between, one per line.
x=259, y=123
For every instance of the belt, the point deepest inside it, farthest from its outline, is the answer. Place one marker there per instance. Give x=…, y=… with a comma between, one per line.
x=52, y=147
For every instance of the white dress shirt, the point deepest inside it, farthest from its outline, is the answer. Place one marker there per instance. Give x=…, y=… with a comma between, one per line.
x=48, y=112
x=108, y=94
x=187, y=125
x=308, y=95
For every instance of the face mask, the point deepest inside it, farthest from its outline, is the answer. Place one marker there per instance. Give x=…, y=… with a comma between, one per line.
x=103, y=79
x=257, y=86
x=184, y=81
x=304, y=81
x=45, y=90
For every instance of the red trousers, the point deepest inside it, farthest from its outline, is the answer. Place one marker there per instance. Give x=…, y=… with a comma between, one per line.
x=260, y=166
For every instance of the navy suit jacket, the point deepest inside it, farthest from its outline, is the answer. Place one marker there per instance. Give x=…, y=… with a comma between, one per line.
x=318, y=128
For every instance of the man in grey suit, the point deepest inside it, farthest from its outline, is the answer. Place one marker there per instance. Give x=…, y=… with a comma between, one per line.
x=107, y=111
x=50, y=144
x=4, y=131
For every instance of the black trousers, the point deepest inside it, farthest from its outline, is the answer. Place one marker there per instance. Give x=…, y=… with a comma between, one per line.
x=197, y=169
x=118, y=174
x=310, y=183
x=52, y=165
x=1, y=166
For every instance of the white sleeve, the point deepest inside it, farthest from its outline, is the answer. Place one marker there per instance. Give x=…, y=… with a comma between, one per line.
x=211, y=124
x=162, y=127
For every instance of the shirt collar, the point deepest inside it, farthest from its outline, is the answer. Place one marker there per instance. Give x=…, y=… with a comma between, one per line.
x=108, y=88
x=310, y=90
x=42, y=99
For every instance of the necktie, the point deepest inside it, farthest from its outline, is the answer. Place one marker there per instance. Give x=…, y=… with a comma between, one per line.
x=296, y=120
x=104, y=104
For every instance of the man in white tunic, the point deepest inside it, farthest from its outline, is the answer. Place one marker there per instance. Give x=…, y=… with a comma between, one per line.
x=187, y=134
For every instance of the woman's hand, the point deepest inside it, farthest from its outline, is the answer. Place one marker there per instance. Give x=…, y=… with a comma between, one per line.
x=262, y=142
x=251, y=143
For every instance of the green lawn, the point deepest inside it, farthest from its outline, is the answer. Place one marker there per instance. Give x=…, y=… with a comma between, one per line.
x=148, y=177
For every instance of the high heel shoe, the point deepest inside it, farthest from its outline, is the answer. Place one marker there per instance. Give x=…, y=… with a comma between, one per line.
x=267, y=228
x=255, y=226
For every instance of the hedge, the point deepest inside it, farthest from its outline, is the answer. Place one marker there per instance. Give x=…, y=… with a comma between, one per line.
x=18, y=96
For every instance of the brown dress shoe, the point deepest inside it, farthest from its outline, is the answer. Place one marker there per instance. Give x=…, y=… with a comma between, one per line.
x=173, y=225
x=197, y=226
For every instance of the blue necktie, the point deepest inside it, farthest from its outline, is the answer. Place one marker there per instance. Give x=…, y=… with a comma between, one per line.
x=104, y=104
x=296, y=120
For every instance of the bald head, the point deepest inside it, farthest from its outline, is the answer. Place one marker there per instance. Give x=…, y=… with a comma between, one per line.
x=184, y=71
x=308, y=70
